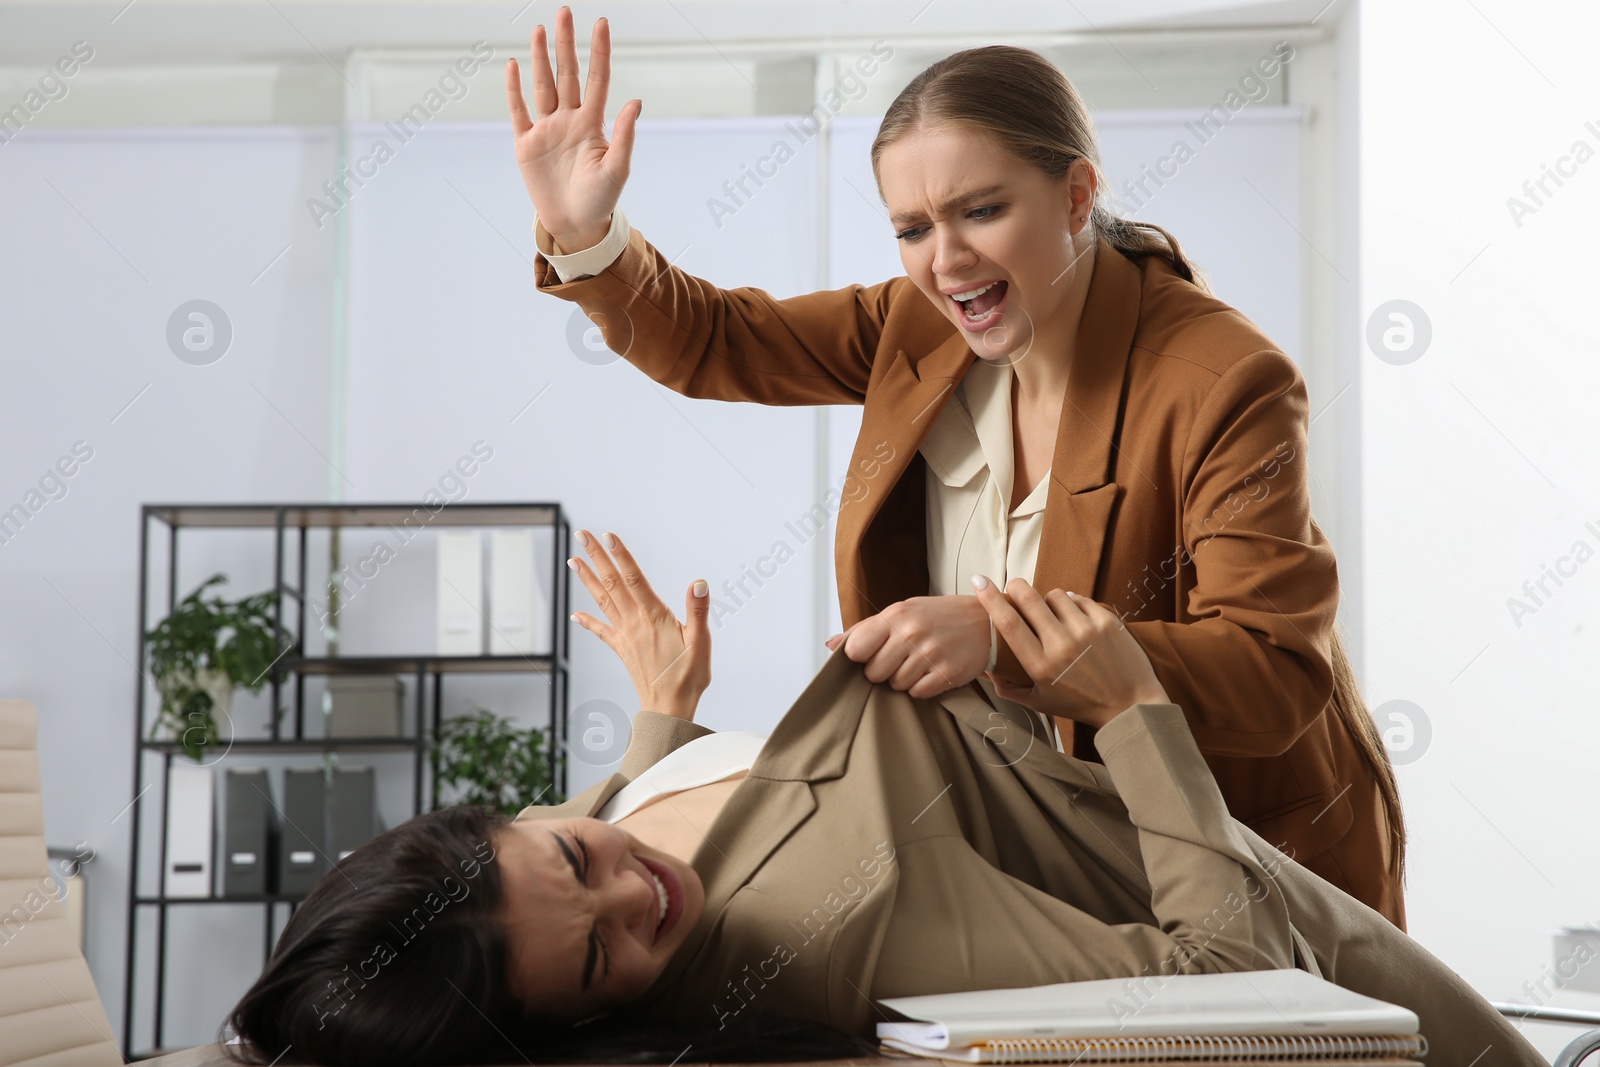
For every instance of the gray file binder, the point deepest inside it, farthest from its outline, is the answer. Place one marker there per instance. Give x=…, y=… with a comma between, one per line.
x=300, y=845
x=355, y=810
x=246, y=833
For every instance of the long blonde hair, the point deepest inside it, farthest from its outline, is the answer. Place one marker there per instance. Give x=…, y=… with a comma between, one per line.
x=1023, y=101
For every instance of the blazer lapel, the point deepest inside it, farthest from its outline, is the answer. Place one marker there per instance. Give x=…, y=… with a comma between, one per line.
x=901, y=408
x=811, y=743
x=1082, y=494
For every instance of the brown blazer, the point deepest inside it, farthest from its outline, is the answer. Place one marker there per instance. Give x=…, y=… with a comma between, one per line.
x=883, y=845
x=1179, y=497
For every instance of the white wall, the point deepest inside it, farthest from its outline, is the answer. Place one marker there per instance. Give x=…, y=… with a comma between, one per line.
x=1479, y=473
x=450, y=342
x=107, y=233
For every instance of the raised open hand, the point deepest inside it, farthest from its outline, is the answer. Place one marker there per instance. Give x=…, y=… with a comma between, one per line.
x=574, y=176
x=668, y=661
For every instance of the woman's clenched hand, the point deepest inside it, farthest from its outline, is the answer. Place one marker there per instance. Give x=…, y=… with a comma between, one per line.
x=1083, y=662
x=924, y=645
x=573, y=175
x=668, y=661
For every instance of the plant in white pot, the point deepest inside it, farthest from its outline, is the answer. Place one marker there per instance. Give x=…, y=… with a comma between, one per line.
x=202, y=652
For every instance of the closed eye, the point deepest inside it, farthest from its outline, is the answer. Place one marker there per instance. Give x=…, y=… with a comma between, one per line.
x=596, y=946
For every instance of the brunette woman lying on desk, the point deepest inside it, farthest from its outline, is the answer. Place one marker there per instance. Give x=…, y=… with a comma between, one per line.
x=749, y=896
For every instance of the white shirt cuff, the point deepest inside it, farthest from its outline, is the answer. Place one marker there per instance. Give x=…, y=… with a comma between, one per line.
x=585, y=262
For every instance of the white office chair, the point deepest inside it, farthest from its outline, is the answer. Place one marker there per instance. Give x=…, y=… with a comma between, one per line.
x=50, y=1014
x=1579, y=1048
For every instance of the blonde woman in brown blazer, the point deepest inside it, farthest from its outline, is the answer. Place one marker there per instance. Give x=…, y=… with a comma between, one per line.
x=1155, y=460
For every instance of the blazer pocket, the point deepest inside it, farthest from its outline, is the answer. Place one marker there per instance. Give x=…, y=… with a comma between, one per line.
x=1307, y=827
x=1284, y=809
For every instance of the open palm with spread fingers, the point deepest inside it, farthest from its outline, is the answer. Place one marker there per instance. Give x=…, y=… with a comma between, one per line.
x=1083, y=662
x=668, y=661
x=574, y=176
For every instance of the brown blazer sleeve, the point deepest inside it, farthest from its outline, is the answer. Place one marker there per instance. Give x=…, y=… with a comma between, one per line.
x=730, y=344
x=1254, y=666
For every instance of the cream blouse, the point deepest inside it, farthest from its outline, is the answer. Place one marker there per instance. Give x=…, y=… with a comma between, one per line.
x=969, y=462
x=970, y=529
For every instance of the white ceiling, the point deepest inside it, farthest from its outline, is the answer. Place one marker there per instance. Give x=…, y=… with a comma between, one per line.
x=208, y=31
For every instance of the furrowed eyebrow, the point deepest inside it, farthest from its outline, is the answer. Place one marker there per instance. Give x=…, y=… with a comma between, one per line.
x=957, y=201
x=594, y=943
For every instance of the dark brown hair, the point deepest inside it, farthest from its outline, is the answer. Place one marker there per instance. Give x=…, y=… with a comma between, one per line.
x=426, y=890
x=1029, y=108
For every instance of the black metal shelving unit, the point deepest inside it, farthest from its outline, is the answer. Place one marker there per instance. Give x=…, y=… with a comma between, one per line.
x=428, y=670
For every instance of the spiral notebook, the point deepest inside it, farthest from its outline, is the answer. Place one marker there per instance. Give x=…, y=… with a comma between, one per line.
x=1236, y=1016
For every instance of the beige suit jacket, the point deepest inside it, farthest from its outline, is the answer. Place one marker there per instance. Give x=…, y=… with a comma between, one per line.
x=883, y=845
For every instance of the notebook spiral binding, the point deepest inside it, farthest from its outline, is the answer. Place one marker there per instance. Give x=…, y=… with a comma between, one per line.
x=1218, y=1047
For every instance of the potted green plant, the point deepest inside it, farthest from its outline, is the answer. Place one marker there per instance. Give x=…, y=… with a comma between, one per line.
x=203, y=651
x=486, y=759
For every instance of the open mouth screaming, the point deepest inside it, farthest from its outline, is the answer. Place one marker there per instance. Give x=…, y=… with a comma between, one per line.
x=980, y=307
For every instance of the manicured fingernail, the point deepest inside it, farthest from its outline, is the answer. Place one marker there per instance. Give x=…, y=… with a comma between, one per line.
x=1071, y=593
x=583, y=537
x=572, y=561
x=979, y=582
x=573, y=616
x=611, y=540
x=700, y=587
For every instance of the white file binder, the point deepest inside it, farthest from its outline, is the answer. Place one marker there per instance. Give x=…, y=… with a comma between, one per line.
x=460, y=593
x=191, y=831
x=515, y=608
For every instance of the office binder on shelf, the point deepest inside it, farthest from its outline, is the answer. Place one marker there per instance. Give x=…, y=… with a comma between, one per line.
x=191, y=804
x=247, y=820
x=460, y=593
x=354, y=819
x=516, y=608
x=300, y=844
